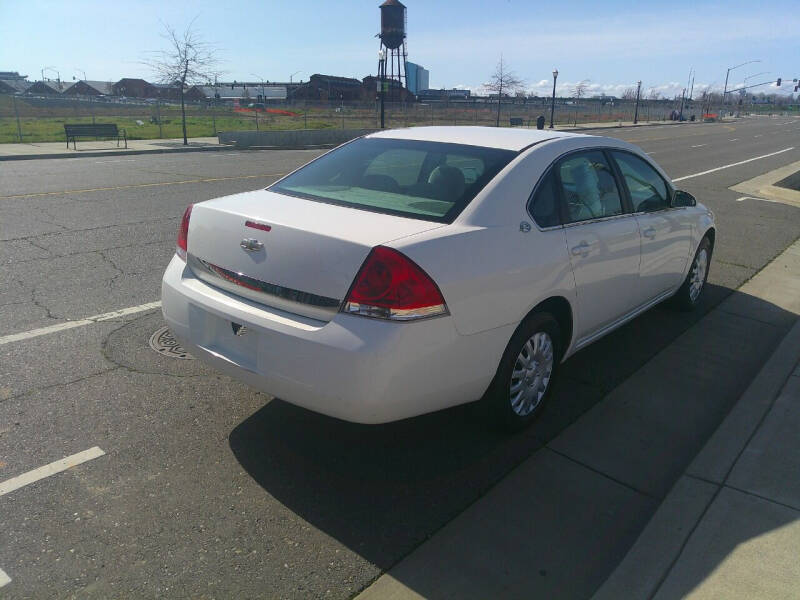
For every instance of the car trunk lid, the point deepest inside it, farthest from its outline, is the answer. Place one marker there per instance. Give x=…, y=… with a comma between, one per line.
x=288, y=253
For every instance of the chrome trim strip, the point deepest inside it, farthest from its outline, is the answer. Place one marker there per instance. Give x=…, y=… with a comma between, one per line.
x=270, y=294
x=621, y=321
x=620, y=216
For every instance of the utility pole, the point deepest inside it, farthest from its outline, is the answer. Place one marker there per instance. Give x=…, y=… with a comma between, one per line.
x=636, y=110
x=683, y=99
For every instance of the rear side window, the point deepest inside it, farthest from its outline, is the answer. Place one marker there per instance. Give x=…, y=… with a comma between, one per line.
x=648, y=190
x=544, y=206
x=433, y=181
x=588, y=187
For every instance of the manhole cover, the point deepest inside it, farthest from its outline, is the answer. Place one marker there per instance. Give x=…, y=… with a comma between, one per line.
x=163, y=342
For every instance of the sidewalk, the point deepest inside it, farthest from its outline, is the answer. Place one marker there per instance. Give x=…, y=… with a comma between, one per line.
x=105, y=148
x=614, y=125
x=730, y=528
x=654, y=490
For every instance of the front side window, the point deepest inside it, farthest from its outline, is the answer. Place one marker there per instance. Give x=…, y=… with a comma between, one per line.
x=423, y=180
x=648, y=190
x=588, y=187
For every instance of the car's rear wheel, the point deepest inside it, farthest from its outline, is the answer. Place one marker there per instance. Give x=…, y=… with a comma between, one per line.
x=689, y=294
x=526, y=373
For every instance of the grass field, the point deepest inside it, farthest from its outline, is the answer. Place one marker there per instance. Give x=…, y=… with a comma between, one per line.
x=51, y=129
x=42, y=119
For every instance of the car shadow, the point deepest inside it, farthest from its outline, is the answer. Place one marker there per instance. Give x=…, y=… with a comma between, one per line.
x=381, y=490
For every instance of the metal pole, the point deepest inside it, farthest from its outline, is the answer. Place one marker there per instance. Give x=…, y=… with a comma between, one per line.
x=636, y=111
x=158, y=116
x=16, y=113
x=382, y=70
x=213, y=116
x=683, y=98
x=553, y=102
x=91, y=108
x=725, y=89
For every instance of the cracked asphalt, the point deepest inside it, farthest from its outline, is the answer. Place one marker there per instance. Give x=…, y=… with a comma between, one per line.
x=209, y=489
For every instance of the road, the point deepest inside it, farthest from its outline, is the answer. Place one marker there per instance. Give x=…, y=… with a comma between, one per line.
x=206, y=488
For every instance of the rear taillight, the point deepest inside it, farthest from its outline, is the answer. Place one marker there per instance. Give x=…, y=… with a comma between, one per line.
x=390, y=285
x=183, y=233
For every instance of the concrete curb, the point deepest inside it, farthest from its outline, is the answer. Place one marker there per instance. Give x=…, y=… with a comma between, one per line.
x=90, y=153
x=652, y=556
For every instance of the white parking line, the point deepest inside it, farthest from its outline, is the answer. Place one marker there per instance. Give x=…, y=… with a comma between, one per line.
x=743, y=198
x=4, y=579
x=736, y=164
x=54, y=467
x=734, y=140
x=699, y=145
x=759, y=135
x=26, y=335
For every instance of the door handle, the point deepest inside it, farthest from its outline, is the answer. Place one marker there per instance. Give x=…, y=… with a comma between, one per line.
x=581, y=249
x=649, y=233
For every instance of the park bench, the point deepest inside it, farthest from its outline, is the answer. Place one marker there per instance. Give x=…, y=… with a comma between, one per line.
x=516, y=121
x=99, y=130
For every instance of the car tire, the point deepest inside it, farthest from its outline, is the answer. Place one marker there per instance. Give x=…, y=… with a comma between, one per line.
x=526, y=374
x=688, y=295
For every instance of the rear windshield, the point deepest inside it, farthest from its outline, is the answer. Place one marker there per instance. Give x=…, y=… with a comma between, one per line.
x=422, y=180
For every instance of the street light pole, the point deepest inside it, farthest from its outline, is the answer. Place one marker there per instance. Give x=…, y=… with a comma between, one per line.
x=636, y=111
x=381, y=77
x=725, y=89
x=553, y=101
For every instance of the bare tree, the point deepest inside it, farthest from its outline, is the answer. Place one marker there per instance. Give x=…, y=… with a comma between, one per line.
x=503, y=79
x=629, y=94
x=580, y=89
x=188, y=60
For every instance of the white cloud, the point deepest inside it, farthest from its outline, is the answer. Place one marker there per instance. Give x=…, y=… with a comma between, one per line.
x=646, y=44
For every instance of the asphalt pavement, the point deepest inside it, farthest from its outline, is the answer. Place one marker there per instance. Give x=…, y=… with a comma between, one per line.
x=209, y=489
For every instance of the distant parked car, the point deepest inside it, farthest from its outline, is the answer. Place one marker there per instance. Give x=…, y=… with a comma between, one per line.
x=416, y=269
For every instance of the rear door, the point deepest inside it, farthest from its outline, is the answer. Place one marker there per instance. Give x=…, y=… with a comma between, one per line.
x=666, y=231
x=602, y=239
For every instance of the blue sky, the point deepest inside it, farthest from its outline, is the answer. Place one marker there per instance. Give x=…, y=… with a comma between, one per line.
x=611, y=43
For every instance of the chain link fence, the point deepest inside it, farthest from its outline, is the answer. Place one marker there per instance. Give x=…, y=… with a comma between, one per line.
x=41, y=119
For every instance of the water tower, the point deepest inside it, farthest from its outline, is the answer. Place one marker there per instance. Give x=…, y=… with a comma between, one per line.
x=393, y=53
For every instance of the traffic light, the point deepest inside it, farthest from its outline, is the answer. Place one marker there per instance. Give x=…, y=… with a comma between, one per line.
x=779, y=82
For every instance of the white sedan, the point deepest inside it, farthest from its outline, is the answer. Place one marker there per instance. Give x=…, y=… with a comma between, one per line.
x=416, y=269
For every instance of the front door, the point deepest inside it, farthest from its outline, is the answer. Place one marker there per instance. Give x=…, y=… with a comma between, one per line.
x=603, y=241
x=666, y=231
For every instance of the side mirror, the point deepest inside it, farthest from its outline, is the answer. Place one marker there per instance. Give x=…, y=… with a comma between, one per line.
x=681, y=199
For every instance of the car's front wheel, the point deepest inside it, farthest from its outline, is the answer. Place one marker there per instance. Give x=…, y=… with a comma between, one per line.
x=688, y=296
x=527, y=371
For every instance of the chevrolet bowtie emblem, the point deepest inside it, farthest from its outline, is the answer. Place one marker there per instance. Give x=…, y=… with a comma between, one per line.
x=251, y=244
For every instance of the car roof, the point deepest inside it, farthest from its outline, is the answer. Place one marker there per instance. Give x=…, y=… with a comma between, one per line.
x=506, y=138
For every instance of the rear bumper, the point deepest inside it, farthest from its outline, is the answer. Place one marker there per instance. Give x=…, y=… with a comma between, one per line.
x=353, y=368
